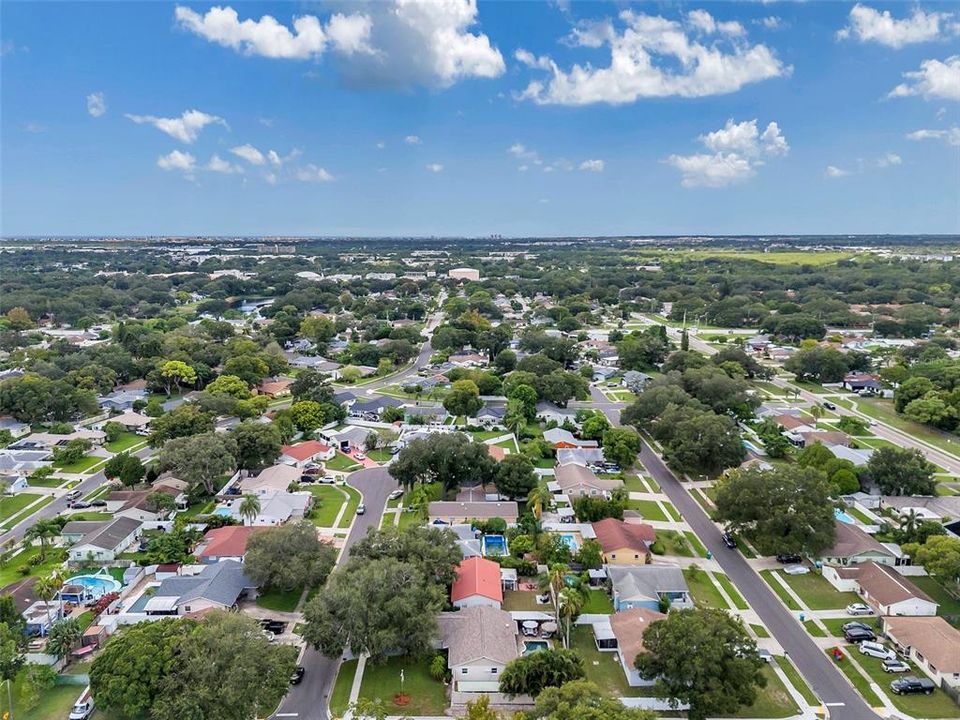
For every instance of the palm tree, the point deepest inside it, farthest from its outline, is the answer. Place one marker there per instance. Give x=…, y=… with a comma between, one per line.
x=43, y=530
x=64, y=636
x=554, y=582
x=47, y=588
x=569, y=605
x=249, y=508
x=909, y=522
x=515, y=422
x=539, y=497
x=816, y=411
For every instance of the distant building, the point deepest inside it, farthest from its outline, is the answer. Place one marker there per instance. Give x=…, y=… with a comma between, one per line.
x=464, y=273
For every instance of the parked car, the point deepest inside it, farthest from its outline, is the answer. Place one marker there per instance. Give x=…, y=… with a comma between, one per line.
x=83, y=707
x=859, y=635
x=328, y=479
x=728, y=540
x=895, y=666
x=73, y=494
x=786, y=559
x=859, y=609
x=912, y=686
x=361, y=509
x=273, y=626
x=315, y=470
x=297, y=676
x=98, y=503
x=395, y=494
x=395, y=450
x=856, y=624
x=307, y=478
x=79, y=505
x=765, y=655
x=877, y=650
x=829, y=405
x=796, y=570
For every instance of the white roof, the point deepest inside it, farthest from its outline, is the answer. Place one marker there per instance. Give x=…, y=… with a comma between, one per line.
x=162, y=603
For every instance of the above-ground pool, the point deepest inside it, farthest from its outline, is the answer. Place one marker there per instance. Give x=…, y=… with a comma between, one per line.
x=570, y=540
x=532, y=646
x=84, y=588
x=494, y=545
x=843, y=517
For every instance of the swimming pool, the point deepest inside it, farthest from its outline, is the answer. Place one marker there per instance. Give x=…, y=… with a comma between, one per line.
x=93, y=587
x=532, y=646
x=570, y=540
x=843, y=517
x=494, y=545
x=223, y=512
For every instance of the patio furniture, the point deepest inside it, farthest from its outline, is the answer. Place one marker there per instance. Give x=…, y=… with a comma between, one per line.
x=530, y=628
x=548, y=629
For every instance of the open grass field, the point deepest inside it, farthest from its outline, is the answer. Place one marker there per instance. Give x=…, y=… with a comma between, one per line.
x=731, y=591
x=342, y=463
x=51, y=481
x=53, y=704
x=382, y=681
x=10, y=570
x=949, y=603
x=883, y=411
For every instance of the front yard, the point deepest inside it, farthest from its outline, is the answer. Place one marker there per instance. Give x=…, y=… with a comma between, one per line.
x=10, y=570
x=126, y=441
x=817, y=593
x=52, y=704
x=427, y=696
x=649, y=509
x=81, y=465
x=773, y=701
x=937, y=705
x=702, y=588
x=340, y=697
x=280, y=600
x=10, y=505
x=342, y=463
x=327, y=503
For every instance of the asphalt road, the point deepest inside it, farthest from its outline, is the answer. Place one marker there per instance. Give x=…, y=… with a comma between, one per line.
x=310, y=698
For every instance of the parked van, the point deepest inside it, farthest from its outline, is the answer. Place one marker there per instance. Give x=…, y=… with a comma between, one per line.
x=73, y=494
x=83, y=708
x=875, y=649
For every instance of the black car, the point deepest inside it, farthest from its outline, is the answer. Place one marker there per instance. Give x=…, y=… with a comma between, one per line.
x=297, y=675
x=79, y=505
x=789, y=559
x=855, y=624
x=912, y=686
x=859, y=635
x=275, y=626
x=307, y=478
x=98, y=503
x=829, y=405
x=728, y=540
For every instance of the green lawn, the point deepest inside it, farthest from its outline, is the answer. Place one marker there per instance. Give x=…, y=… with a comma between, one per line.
x=92, y=516
x=380, y=456
x=702, y=588
x=126, y=441
x=481, y=435
x=949, y=604
x=936, y=705
x=797, y=680
x=773, y=701
x=352, y=503
x=779, y=589
x=602, y=668
x=340, y=696
x=283, y=601
x=523, y=600
x=671, y=542
x=598, y=603
x=83, y=464
x=327, y=503
x=382, y=681
x=342, y=463
x=634, y=483
x=760, y=631
x=835, y=625
x=51, y=481
x=859, y=682
x=672, y=512
x=9, y=571
x=814, y=629
x=883, y=410
x=53, y=704
x=817, y=593
x=10, y=505
x=732, y=591
x=649, y=509
x=695, y=543
x=407, y=519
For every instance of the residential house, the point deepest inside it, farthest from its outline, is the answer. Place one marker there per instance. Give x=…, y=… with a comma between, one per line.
x=829, y=438
x=315, y=363
x=225, y=543
x=547, y=412
x=477, y=583
x=579, y=456
x=602, y=373
x=105, y=542
x=75, y=530
x=648, y=586
x=624, y=543
x=40, y=617
x=490, y=415
x=576, y=480
x=881, y=587
x=931, y=643
x=121, y=400
x=20, y=463
x=628, y=627
x=480, y=641
x=137, y=504
x=132, y=422
x=468, y=360
x=431, y=414
x=862, y=383
x=560, y=438
x=275, y=387
x=50, y=441
x=854, y=546
x=496, y=452
x=274, y=479
x=351, y=436
x=858, y=456
x=306, y=452
x=218, y=586
x=444, y=512
x=13, y=426
x=373, y=409
x=468, y=540
x=276, y=508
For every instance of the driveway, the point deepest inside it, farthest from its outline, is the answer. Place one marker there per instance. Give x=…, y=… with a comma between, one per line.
x=311, y=697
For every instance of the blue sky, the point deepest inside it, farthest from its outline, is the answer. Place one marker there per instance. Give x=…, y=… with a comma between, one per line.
x=516, y=118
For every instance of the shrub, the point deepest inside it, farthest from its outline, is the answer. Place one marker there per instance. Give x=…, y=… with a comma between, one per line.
x=438, y=668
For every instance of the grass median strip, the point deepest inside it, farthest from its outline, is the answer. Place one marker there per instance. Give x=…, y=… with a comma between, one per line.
x=793, y=675
x=340, y=697
x=861, y=683
x=732, y=591
x=781, y=591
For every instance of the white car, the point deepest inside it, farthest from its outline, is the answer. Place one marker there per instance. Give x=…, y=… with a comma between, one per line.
x=796, y=570
x=395, y=494
x=859, y=609
x=877, y=650
x=895, y=666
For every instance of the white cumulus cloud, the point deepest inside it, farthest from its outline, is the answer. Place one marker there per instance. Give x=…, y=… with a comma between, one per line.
x=934, y=79
x=413, y=140
x=312, y=173
x=176, y=160
x=593, y=165
x=400, y=42
x=185, y=128
x=737, y=150
x=654, y=57
x=96, y=104
x=869, y=25
x=950, y=136
x=249, y=153
x=218, y=165
x=434, y=167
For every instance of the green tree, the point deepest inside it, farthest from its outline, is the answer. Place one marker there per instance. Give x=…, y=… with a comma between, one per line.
x=199, y=460
x=940, y=555
x=594, y=427
x=257, y=444
x=702, y=657
x=11, y=651
x=288, y=557
x=37, y=681
x=531, y=674
x=160, y=502
x=252, y=369
x=177, y=373
x=113, y=431
x=621, y=446
x=901, y=471
x=44, y=530
x=182, y=421
x=124, y=467
x=704, y=443
x=249, y=508
x=317, y=329
x=786, y=510
x=515, y=476
x=463, y=398
x=450, y=459
x=526, y=397
x=582, y=700
x=63, y=638
x=229, y=385
x=433, y=550
x=307, y=415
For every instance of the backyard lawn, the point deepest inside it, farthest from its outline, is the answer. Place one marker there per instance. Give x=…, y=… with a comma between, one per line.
x=602, y=668
x=327, y=504
x=937, y=705
x=53, y=704
x=702, y=588
x=126, y=441
x=949, y=604
x=427, y=696
x=817, y=593
x=282, y=601
x=649, y=509
x=773, y=701
x=598, y=603
x=340, y=696
x=10, y=505
x=523, y=600
x=10, y=573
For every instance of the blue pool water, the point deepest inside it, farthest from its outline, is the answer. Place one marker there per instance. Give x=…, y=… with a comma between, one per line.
x=532, y=646
x=571, y=541
x=222, y=512
x=94, y=585
x=494, y=545
x=843, y=517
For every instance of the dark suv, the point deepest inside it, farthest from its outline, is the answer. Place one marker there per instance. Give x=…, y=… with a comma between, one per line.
x=858, y=635
x=789, y=559
x=729, y=540
x=912, y=686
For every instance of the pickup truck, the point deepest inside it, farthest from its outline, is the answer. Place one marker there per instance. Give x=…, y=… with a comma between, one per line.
x=912, y=686
x=83, y=707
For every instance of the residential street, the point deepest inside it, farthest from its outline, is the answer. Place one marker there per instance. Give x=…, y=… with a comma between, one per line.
x=310, y=698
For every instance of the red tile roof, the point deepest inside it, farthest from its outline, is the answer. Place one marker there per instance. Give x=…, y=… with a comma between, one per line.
x=305, y=450
x=228, y=541
x=477, y=576
x=613, y=534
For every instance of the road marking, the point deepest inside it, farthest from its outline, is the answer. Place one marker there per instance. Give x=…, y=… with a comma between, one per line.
x=287, y=715
x=836, y=704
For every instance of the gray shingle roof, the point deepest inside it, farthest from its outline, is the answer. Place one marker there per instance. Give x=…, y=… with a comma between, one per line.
x=221, y=583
